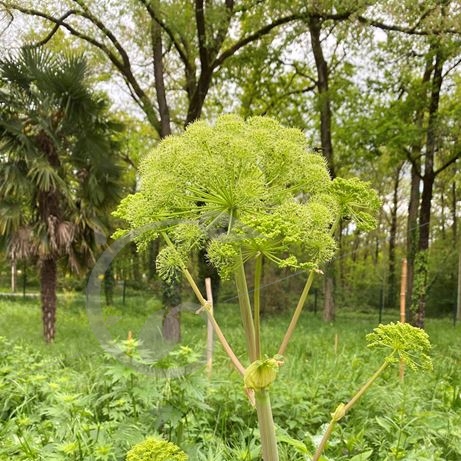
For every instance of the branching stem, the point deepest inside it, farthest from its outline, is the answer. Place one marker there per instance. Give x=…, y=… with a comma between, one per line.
x=245, y=308
x=296, y=313
x=343, y=409
x=205, y=305
x=302, y=300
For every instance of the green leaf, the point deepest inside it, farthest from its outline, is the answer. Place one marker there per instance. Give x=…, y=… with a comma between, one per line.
x=299, y=446
x=362, y=456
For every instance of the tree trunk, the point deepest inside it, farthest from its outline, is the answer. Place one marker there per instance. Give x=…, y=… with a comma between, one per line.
x=458, y=307
x=48, y=280
x=392, y=277
x=418, y=313
x=171, y=297
x=109, y=284
x=442, y=214
x=171, y=294
x=412, y=230
x=413, y=205
x=324, y=101
x=315, y=26
x=159, y=76
x=329, y=310
x=152, y=254
x=135, y=267
x=14, y=276
x=454, y=217
x=207, y=270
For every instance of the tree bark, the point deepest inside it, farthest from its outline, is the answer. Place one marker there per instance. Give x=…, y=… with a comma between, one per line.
x=159, y=77
x=413, y=205
x=48, y=281
x=324, y=100
x=392, y=277
x=458, y=307
x=109, y=284
x=14, y=276
x=152, y=254
x=315, y=27
x=453, y=213
x=329, y=311
x=418, y=314
x=412, y=230
x=171, y=297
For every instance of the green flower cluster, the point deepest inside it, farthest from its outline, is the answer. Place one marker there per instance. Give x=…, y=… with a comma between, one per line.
x=152, y=449
x=242, y=188
x=403, y=342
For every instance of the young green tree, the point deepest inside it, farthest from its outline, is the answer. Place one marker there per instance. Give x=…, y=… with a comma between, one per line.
x=247, y=192
x=60, y=169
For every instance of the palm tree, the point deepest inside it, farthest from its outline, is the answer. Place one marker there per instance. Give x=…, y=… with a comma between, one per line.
x=60, y=167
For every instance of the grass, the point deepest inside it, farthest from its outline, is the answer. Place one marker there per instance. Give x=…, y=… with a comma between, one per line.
x=69, y=400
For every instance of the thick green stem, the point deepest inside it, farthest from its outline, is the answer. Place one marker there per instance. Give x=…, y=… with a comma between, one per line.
x=297, y=313
x=245, y=308
x=266, y=426
x=343, y=409
x=257, y=303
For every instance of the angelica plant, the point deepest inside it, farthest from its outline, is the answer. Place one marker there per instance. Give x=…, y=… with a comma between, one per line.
x=402, y=343
x=245, y=191
x=152, y=449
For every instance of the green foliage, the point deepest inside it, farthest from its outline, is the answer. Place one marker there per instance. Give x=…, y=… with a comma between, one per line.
x=67, y=400
x=60, y=170
x=356, y=201
x=410, y=344
x=152, y=449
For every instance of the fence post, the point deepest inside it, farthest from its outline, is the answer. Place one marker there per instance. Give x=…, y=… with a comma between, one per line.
x=209, y=342
x=403, y=292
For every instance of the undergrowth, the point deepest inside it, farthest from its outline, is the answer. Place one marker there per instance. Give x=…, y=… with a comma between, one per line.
x=73, y=401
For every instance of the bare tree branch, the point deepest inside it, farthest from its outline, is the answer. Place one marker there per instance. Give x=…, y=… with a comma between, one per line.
x=156, y=17
x=121, y=62
x=406, y=30
x=448, y=163
x=252, y=38
x=201, y=34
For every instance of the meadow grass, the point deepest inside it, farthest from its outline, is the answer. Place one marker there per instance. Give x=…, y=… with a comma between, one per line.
x=324, y=365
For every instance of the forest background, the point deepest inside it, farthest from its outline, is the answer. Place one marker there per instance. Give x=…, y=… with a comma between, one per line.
x=374, y=85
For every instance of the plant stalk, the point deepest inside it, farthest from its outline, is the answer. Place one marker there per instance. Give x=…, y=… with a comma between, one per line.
x=205, y=305
x=257, y=303
x=226, y=346
x=297, y=313
x=219, y=334
x=266, y=425
x=341, y=411
x=245, y=308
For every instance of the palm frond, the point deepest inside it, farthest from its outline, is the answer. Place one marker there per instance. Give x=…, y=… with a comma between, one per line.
x=45, y=177
x=22, y=244
x=11, y=216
